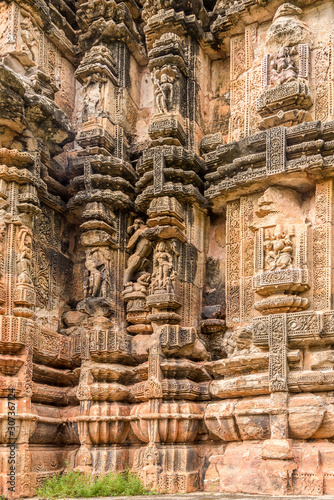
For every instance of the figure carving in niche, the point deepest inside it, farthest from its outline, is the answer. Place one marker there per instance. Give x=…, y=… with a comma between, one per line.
x=164, y=274
x=288, y=45
x=23, y=259
x=239, y=342
x=97, y=283
x=282, y=67
x=29, y=36
x=91, y=100
x=151, y=465
x=141, y=248
x=278, y=248
x=163, y=89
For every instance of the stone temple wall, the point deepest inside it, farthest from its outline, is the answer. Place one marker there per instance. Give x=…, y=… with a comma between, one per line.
x=166, y=255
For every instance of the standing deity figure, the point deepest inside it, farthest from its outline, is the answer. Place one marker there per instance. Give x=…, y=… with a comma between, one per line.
x=106, y=283
x=29, y=35
x=23, y=259
x=278, y=249
x=164, y=264
x=92, y=100
x=282, y=68
x=163, y=92
x=141, y=248
x=164, y=274
x=98, y=280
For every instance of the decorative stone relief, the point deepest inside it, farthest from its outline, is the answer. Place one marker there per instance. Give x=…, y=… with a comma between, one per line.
x=322, y=246
x=286, y=70
x=165, y=248
x=233, y=264
x=277, y=258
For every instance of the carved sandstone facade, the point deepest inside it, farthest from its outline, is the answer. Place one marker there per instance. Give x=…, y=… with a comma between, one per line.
x=166, y=255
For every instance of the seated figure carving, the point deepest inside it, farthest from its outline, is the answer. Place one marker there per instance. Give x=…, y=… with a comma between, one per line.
x=278, y=249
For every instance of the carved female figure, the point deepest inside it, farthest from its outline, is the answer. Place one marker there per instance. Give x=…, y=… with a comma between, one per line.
x=142, y=248
x=164, y=263
x=163, y=92
x=96, y=281
x=24, y=255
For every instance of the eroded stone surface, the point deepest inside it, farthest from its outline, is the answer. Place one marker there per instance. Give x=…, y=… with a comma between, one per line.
x=166, y=270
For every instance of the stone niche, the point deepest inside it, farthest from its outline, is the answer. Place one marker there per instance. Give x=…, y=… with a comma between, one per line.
x=281, y=241
x=166, y=256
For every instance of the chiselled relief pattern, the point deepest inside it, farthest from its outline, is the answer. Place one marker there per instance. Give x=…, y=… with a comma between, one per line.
x=276, y=150
x=238, y=56
x=251, y=83
x=118, y=263
x=259, y=254
x=331, y=79
x=277, y=353
x=3, y=231
x=254, y=91
x=302, y=249
x=6, y=28
x=278, y=248
x=233, y=259
x=304, y=60
x=250, y=44
x=245, y=84
x=158, y=171
x=265, y=65
x=12, y=27
x=238, y=87
x=187, y=271
x=238, y=103
x=49, y=266
x=322, y=235
x=247, y=102
x=247, y=256
x=321, y=84
x=42, y=275
x=52, y=62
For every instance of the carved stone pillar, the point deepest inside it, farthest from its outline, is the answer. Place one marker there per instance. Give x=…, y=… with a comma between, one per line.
x=22, y=188
x=102, y=200
x=171, y=196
